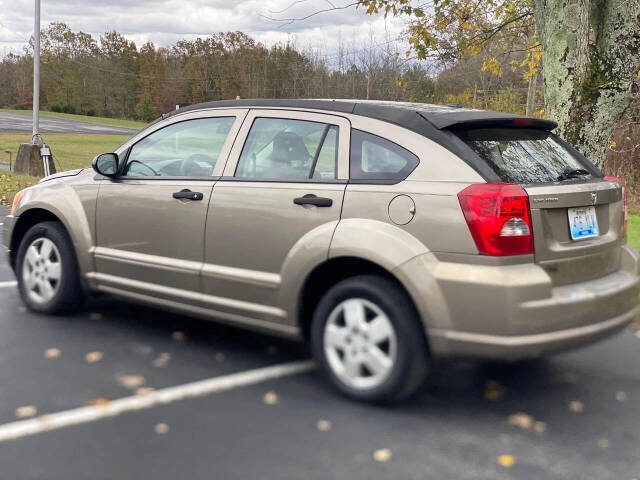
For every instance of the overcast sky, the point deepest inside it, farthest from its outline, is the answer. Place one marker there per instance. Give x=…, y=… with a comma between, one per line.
x=166, y=21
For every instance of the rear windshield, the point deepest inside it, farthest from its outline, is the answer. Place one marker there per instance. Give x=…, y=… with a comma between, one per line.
x=525, y=155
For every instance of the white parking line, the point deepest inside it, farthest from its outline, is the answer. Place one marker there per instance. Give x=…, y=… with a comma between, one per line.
x=9, y=284
x=77, y=416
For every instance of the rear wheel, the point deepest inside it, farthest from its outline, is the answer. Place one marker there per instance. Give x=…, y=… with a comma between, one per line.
x=368, y=340
x=47, y=270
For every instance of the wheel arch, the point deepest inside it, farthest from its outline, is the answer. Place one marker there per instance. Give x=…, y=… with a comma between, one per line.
x=332, y=271
x=24, y=222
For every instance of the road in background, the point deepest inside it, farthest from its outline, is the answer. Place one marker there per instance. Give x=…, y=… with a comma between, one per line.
x=576, y=415
x=19, y=123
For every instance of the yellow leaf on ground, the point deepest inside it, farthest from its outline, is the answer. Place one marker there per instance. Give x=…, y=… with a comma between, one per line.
x=270, y=398
x=493, y=391
x=324, y=425
x=521, y=420
x=97, y=402
x=603, y=443
x=26, y=411
x=142, y=391
x=131, y=381
x=576, y=406
x=506, y=460
x=162, y=360
x=93, y=357
x=52, y=353
x=161, y=428
x=382, y=455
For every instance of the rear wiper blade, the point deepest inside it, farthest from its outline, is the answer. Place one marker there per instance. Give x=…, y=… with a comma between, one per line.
x=570, y=173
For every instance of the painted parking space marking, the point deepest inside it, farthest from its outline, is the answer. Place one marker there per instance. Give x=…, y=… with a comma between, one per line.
x=77, y=416
x=9, y=284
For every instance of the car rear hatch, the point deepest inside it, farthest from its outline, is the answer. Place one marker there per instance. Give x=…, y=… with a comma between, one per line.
x=577, y=215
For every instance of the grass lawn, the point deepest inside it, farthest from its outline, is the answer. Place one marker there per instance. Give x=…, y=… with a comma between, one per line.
x=69, y=151
x=633, y=229
x=112, y=122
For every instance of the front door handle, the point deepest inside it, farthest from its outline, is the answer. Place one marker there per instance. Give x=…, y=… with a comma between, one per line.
x=188, y=195
x=311, y=199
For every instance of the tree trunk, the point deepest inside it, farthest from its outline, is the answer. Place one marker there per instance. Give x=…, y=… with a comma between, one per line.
x=531, y=95
x=590, y=67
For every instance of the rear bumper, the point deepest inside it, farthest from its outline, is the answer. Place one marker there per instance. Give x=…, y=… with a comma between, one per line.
x=517, y=347
x=513, y=311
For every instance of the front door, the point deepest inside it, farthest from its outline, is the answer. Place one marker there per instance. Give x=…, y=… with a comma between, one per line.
x=150, y=219
x=282, y=189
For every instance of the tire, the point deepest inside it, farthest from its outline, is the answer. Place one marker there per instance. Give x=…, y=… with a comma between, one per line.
x=34, y=271
x=405, y=348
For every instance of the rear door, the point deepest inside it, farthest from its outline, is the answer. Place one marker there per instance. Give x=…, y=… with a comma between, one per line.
x=577, y=215
x=280, y=197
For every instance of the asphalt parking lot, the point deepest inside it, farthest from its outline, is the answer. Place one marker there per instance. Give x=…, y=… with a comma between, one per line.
x=11, y=122
x=572, y=416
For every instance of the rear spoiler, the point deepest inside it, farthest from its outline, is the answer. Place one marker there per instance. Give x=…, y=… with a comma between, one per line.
x=466, y=119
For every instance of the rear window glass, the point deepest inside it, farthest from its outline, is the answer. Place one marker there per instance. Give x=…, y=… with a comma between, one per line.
x=375, y=158
x=521, y=155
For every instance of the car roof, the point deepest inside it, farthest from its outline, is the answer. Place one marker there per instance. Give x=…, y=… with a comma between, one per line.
x=414, y=116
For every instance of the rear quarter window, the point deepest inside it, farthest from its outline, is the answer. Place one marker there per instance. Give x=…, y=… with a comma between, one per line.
x=524, y=155
x=376, y=158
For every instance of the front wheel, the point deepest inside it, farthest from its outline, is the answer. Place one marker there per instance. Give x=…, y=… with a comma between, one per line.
x=47, y=270
x=368, y=339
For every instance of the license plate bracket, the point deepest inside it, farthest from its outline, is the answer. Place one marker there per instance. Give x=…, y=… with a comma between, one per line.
x=583, y=222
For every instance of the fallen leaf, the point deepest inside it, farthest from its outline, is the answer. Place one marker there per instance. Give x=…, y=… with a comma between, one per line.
x=93, y=357
x=22, y=309
x=576, y=406
x=52, y=353
x=162, y=360
x=97, y=402
x=521, y=420
x=270, y=398
x=179, y=336
x=603, y=443
x=324, y=425
x=131, y=381
x=493, y=391
x=161, y=428
x=539, y=427
x=220, y=357
x=382, y=455
x=621, y=396
x=506, y=461
x=96, y=316
x=26, y=411
x=142, y=391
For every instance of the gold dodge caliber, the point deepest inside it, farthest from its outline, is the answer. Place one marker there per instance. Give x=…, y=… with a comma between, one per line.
x=383, y=233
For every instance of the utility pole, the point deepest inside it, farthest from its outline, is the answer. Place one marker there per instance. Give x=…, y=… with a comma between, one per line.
x=36, y=72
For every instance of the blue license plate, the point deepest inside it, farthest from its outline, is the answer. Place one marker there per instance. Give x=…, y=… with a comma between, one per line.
x=583, y=222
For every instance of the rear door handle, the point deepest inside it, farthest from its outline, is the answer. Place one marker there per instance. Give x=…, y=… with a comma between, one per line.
x=188, y=195
x=311, y=199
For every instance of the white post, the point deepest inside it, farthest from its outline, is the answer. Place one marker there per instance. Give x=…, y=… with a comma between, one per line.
x=36, y=69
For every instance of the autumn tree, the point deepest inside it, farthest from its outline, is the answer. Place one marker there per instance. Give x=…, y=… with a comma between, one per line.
x=590, y=51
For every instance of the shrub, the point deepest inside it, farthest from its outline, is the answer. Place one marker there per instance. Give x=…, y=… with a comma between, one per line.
x=145, y=111
x=68, y=109
x=56, y=108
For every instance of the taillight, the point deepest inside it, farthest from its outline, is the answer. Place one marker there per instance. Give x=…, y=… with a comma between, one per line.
x=624, y=201
x=499, y=218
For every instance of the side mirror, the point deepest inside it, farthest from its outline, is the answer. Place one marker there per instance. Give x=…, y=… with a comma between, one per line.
x=106, y=164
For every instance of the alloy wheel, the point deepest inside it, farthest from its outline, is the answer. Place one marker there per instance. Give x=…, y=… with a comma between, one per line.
x=360, y=343
x=41, y=270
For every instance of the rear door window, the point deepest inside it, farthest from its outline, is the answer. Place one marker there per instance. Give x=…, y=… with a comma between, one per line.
x=525, y=155
x=288, y=150
x=375, y=158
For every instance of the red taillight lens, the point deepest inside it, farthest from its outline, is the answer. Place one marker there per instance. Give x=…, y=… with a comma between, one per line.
x=499, y=218
x=624, y=201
